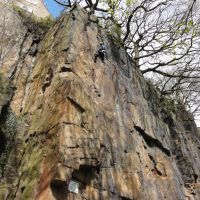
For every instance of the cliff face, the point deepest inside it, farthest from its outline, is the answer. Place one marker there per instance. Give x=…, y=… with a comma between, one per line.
x=75, y=129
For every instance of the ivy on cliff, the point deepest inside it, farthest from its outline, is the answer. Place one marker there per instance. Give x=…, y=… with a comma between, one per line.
x=8, y=124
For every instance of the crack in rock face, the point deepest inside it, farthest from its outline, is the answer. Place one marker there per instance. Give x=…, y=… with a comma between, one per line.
x=152, y=142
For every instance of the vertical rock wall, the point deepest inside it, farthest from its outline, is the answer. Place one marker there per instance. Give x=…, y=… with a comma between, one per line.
x=92, y=130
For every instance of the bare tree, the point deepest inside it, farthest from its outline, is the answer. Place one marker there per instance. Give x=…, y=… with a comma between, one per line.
x=162, y=37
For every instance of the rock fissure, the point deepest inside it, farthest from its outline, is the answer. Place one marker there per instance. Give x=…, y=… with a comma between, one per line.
x=76, y=104
x=19, y=178
x=152, y=142
x=156, y=170
x=21, y=57
x=67, y=69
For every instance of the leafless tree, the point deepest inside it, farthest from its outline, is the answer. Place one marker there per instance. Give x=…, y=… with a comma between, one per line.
x=163, y=39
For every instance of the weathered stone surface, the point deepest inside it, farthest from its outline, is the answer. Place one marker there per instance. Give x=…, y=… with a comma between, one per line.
x=101, y=125
x=37, y=7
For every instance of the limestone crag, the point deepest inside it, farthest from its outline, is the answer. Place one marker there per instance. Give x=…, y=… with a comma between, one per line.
x=85, y=130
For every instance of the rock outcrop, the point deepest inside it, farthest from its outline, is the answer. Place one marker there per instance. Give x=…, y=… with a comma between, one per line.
x=37, y=7
x=75, y=129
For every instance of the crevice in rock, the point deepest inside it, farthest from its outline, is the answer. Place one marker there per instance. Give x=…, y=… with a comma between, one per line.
x=40, y=136
x=139, y=157
x=152, y=159
x=21, y=57
x=193, y=193
x=4, y=112
x=22, y=189
x=80, y=179
x=73, y=16
x=152, y=142
x=65, y=49
x=33, y=50
x=125, y=198
x=86, y=174
x=76, y=105
x=46, y=133
x=2, y=142
x=74, y=147
x=117, y=195
x=59, y=189
x=155, y=170
x=19, y=178
x=70, y=123
x=195, y=178
x=167, y=118
x=66, y=69
x=36, y=39
x=48, y=79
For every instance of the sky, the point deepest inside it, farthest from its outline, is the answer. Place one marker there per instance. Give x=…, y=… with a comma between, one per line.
x=53, y=7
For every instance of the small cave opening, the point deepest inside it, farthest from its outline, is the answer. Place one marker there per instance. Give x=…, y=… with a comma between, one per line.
x=125, y=151
x=65, y=69
x=86, y=175
x=80, y=178
x=22, y=189
x=2, y=142
x=195, y=178
x=59, y=189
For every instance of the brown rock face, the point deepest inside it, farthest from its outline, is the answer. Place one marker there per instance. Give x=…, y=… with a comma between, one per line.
x=95, y=131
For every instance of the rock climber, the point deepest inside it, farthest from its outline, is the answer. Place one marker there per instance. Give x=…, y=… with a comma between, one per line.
x=101, y=53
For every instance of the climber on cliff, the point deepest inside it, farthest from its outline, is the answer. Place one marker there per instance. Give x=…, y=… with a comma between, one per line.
x=101, y=53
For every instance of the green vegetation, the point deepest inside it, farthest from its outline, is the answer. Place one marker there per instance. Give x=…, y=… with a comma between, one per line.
x=4, y=87
x=115, y=32
x=169, y=105
x=34, y=23
x=9, y=130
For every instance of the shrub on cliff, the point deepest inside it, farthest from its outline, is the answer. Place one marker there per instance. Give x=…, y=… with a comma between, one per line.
x=34, y=24
x=4, y=88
